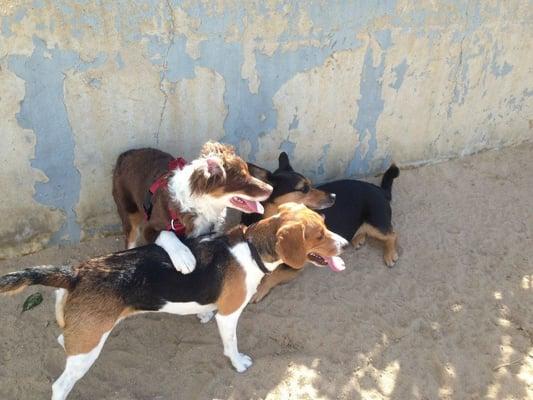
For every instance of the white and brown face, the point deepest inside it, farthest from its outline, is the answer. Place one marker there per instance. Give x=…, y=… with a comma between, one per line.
x=225, y=178
x=302, y=236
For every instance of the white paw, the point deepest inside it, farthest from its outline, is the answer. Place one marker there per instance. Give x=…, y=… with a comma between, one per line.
x=242, y=362
x=180, y=255
x=205, y=317
x=183, y=261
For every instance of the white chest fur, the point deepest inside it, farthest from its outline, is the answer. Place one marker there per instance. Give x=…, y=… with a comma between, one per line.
x=243, y=255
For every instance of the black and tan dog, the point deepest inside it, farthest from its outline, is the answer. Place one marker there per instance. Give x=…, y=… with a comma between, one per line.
x=97, y=294
x=360, y=209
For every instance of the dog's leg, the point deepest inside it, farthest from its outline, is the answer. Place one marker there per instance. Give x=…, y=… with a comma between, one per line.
x=391, y=254
x=389, y=240
x=227, y=327
x=282, y=274
x=359, y=239
x=61, y=298
x=179, y=254
x=135, y=221
x=206, y=317
x=76, y=367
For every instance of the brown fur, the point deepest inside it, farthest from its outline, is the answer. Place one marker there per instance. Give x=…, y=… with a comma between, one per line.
x=136, y=170
x=233, y=292
x=390, y=255
x=314, y=199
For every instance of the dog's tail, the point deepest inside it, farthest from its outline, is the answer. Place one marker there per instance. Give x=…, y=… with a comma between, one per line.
x=386, y=182
x=47, y=275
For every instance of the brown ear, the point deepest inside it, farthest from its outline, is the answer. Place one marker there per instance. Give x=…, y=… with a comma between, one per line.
x=259, y=173
x=290, y=245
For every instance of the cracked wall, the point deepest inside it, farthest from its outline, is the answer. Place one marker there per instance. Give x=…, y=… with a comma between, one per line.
x=344, y=87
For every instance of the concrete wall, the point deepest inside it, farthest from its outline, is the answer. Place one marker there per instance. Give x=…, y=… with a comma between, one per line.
x=343, y=86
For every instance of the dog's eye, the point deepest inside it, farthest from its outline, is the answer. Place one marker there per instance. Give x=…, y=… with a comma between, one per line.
x=306, y=189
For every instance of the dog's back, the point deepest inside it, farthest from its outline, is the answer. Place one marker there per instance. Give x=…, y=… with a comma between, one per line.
x=134, y=172
x=357, y=202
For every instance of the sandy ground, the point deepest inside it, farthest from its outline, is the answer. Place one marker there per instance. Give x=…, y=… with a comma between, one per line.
x=453, y=319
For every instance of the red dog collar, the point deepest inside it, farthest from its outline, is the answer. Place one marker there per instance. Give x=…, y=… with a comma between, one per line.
x=175, y=223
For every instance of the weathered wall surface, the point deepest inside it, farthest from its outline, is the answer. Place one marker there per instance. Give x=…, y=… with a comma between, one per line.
x=343, y=86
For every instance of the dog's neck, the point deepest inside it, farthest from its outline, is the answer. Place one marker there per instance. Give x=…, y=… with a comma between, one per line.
x=210, y=212
x=263, y=237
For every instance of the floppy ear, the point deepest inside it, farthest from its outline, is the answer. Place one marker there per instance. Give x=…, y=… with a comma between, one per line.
x=259, y=173
x=290, y=245
x=284, y=163
x=215, y=168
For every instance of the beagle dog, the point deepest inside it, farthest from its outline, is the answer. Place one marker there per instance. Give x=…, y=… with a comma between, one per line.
x=179, y=199
x=96, y=295
x=357, y=209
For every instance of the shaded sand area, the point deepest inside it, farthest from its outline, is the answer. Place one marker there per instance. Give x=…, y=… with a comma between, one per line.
x=452, y=320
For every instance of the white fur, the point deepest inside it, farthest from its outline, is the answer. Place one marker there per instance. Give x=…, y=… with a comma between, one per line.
x=75, y=369
x=190, y=307
x=60, y=294
x=78, y=365
x=205, y=317
x=339, y=241
x=180, y=255
x=210, y=211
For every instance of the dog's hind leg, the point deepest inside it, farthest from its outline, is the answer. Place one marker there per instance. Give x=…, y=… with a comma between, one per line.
x=389, y=240
x=76, y=367
x=61, y=298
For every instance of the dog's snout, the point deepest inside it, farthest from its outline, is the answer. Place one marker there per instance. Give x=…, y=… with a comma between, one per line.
x=332, y=196
x=345, y=245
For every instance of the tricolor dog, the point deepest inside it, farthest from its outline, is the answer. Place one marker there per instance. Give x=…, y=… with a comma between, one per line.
x=359, y=209
x=188, y=200
x=96, y=295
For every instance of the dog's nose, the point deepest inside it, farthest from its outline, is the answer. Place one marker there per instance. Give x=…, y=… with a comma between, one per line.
x=332, y=196
x=345, y=245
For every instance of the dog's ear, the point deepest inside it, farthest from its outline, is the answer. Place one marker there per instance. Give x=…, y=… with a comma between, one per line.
x=284, y=164
x=259, y=173
x=290, y=245
x=215, y=168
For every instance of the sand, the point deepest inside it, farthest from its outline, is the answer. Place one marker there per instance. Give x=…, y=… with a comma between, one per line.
x=452, y=320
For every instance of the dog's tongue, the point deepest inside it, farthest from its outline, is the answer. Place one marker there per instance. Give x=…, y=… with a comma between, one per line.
x=335, y=263
x=255, y=206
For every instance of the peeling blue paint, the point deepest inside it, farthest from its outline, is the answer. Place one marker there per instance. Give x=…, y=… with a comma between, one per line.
x=400, y=71
x=119, y=61
x=288, y=147
x=43, y=110
x=294, y=123
x=321, y=170
x=370, y=108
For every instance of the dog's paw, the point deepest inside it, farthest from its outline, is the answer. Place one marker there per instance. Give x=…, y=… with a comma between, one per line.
x=391, y=258
x=180, y=255
x=205, y=317
x=259, y=295
x=184, y=261
x=242, y=362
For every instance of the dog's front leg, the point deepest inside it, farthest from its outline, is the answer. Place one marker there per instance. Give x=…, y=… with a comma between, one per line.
x=179, y=254
x=227, y=326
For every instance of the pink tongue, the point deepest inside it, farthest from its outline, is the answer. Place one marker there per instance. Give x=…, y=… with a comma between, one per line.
x=255, y=206
x=335, y=263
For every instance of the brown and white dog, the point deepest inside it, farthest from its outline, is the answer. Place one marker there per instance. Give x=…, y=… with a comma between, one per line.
x=97, y=294
x=194, y=196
